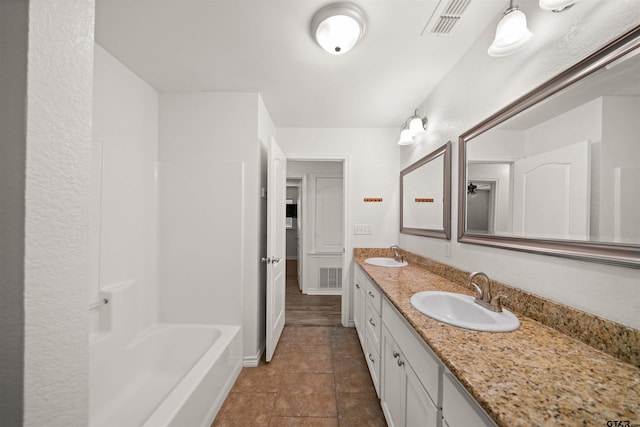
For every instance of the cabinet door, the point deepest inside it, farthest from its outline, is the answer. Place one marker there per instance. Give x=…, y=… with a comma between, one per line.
x=459, y=409
x=420, y=410
x=359, y=303
x=393, y=382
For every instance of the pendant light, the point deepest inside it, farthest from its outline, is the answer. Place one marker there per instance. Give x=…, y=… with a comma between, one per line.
x=337, y=27
x=512, y=33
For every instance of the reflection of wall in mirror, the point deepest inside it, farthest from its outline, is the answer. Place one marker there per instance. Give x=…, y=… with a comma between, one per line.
x=612, y=125
x=500, y=175
x=424, y=182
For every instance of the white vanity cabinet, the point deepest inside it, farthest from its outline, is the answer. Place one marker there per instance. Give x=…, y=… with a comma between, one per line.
x=459, y=409
x=410, y=379
x=415, y=388
x=367, y=319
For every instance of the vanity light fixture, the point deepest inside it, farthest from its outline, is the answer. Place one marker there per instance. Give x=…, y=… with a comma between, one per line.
x=511, y=34
x=413, y=127
x=405, y=137
x=337, y=27
x=556, y=5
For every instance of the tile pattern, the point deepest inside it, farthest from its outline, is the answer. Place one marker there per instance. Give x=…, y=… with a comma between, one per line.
x=535, y=375
x=617, y=340
x=318, y=377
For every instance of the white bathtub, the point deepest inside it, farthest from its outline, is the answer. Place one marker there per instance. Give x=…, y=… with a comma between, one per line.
x=171, y=375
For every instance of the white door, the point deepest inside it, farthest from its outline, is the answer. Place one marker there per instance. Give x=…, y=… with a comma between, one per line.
x=551, y=194
x=276, y=246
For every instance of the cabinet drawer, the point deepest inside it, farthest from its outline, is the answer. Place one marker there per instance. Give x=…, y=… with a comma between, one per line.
x=373, y=322
x=459, y=409
x=373, y=361
x=374, y=296
x=425, y=363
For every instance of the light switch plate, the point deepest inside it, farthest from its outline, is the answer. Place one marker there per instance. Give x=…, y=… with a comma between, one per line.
x=363, y=229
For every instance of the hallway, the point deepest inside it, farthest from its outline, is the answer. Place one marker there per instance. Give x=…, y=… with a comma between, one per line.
x=309, y=310
x=318, y=376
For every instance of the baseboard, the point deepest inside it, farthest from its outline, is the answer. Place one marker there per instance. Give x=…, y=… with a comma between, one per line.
x=323, y=292
x=253, y=361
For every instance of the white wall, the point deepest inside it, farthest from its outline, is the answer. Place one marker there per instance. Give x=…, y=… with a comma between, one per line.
x=56, y=197
x=205, y=129
x=461, y=101
x=200, y=242
x=125, y=149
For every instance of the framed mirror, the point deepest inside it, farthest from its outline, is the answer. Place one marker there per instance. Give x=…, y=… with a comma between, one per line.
x=425, y=195
x=558, y=171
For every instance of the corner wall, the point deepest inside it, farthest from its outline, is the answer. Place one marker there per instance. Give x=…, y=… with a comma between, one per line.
x=57, y=200
x=466, y=97
x=203, y=130
x=14, y=20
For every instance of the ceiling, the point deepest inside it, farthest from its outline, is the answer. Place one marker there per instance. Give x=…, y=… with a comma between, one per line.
x=266, y=46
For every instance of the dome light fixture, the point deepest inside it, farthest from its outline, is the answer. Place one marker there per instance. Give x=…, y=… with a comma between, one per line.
x=337, y=27
x=556, y=5
x=511, y=34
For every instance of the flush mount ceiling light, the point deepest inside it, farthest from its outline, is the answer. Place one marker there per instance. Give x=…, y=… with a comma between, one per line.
x=337, y=27
x=512, y=32
x=413, y=127
x=556, y=5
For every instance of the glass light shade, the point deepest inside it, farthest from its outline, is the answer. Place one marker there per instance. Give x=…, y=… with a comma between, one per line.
x=405, y=137
x=337, y=27
x=556, y=5
x=511, y=35
x=338, y=34
x=416, y=127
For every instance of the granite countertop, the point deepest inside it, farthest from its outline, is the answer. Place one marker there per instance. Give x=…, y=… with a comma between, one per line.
x=532, y=376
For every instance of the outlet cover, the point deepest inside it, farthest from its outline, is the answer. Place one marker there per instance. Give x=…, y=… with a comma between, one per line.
x=363, y=229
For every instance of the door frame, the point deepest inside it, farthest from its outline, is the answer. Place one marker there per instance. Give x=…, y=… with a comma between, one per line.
x=347, y=249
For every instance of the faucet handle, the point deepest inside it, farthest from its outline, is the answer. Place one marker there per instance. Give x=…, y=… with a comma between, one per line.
x=497, y=301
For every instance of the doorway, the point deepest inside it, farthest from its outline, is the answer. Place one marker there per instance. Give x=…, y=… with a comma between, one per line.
x=315, y=242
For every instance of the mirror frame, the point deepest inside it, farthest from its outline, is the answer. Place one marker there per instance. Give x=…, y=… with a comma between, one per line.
x=445, y=233
x=603, y=252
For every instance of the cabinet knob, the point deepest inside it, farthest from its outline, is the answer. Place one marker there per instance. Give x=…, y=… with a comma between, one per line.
x=357, y=286
x=396, y=354
x=371, y=322
x=400, y=362
x=371, y=358
x=371, y=294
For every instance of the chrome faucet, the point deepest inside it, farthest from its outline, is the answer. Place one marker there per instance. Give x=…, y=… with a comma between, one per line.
x=397, y=255
x=483, y=294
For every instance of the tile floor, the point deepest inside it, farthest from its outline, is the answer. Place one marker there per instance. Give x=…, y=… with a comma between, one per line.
x=318, y=377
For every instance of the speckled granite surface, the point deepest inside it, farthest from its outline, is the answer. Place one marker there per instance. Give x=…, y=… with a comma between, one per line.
x=535, y=375
x=618, y=340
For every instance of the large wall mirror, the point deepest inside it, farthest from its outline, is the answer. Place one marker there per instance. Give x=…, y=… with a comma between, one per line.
x=558, y=171
x=425, y=195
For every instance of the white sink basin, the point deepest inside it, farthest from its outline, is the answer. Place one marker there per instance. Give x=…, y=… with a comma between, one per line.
x=460, y=310
x=385, y=262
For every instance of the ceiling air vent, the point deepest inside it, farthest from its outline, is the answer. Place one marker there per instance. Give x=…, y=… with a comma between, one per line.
x=445, y=16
